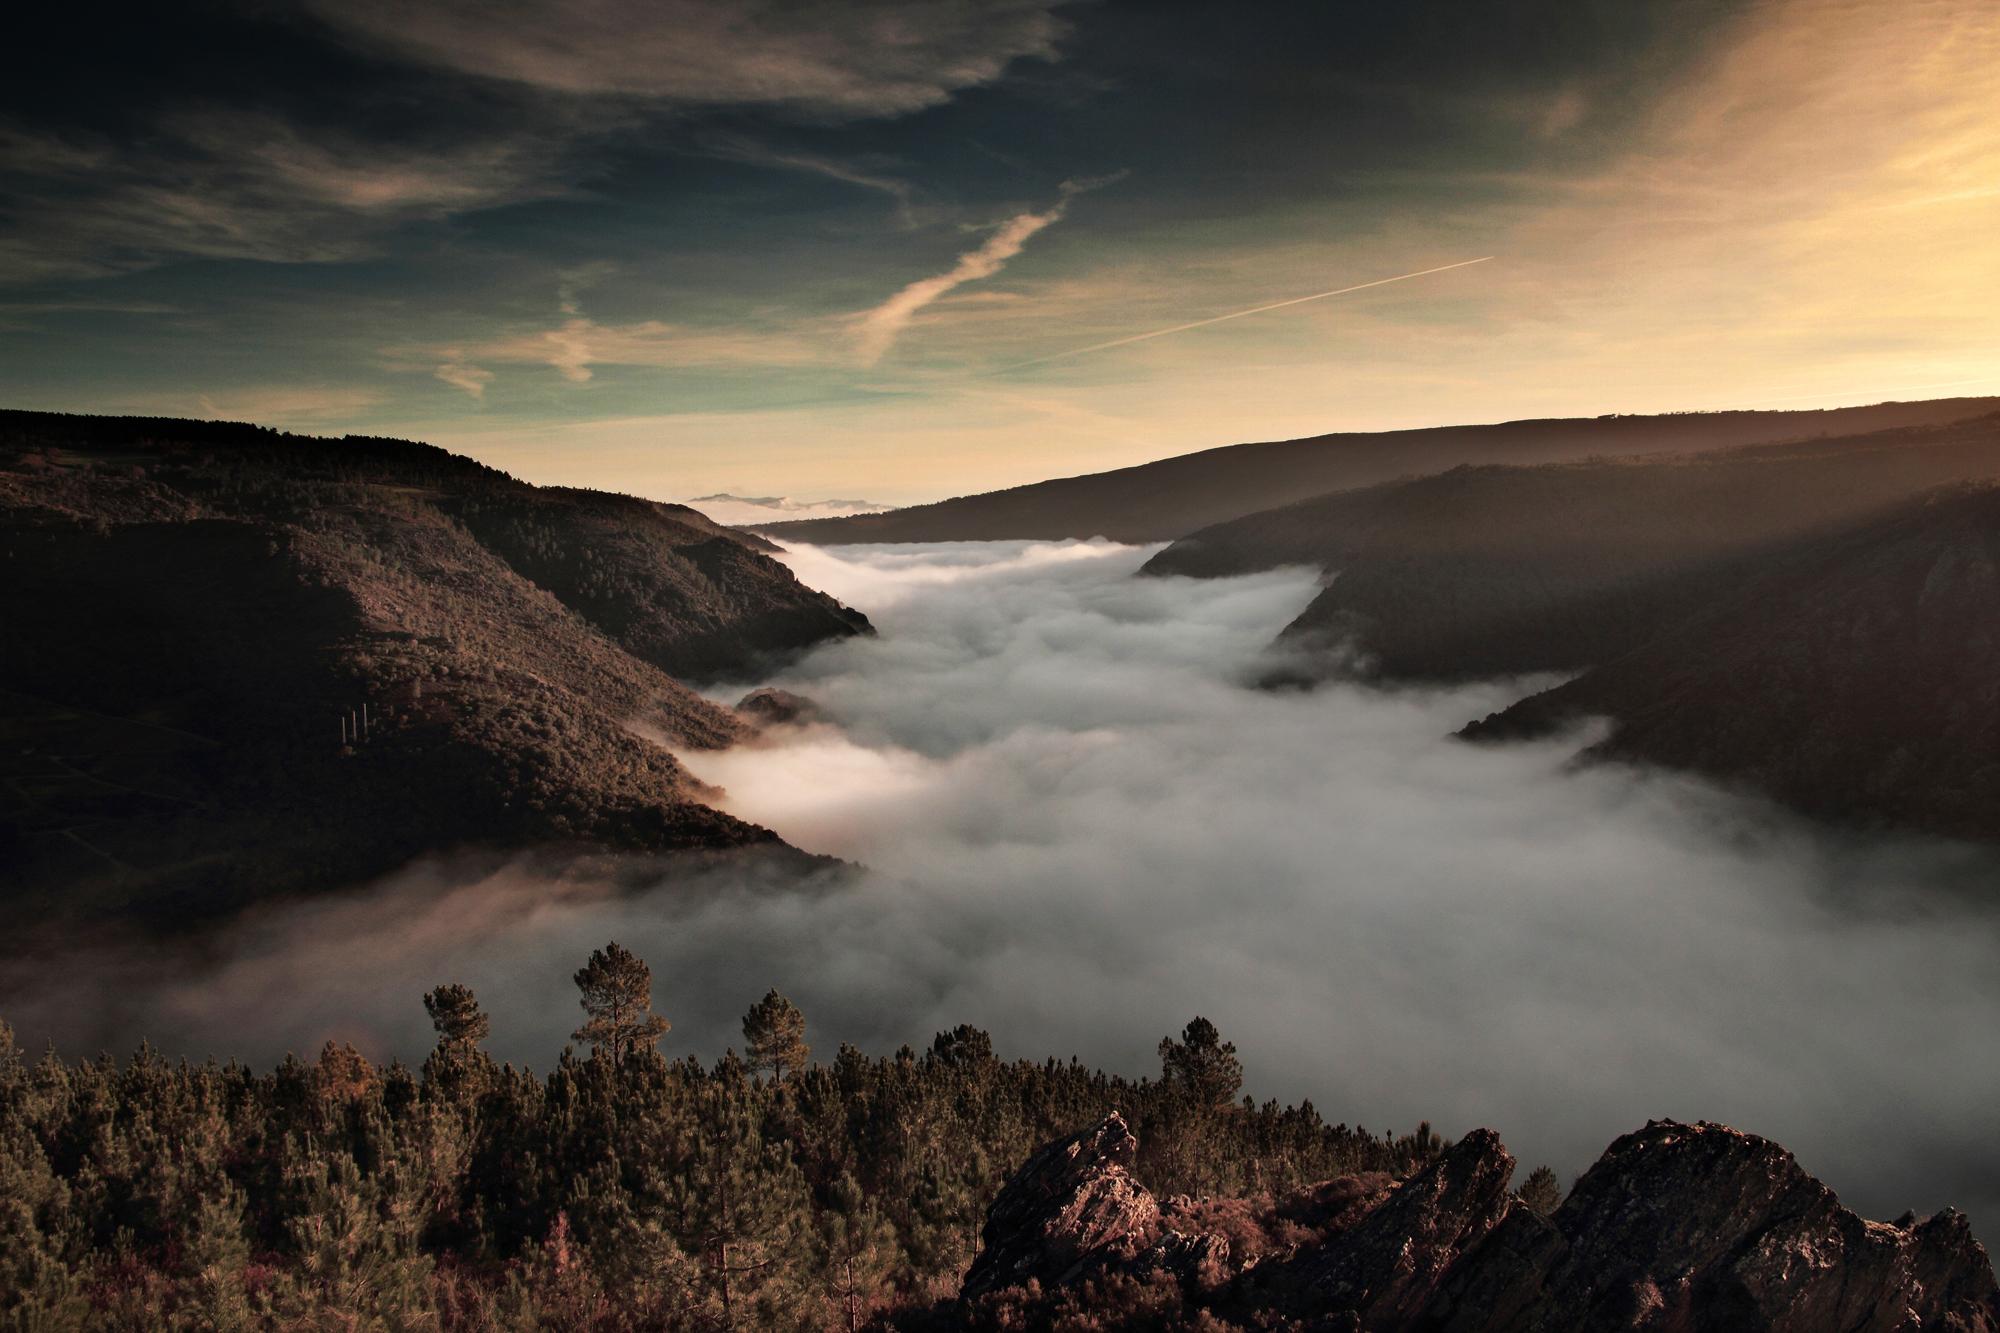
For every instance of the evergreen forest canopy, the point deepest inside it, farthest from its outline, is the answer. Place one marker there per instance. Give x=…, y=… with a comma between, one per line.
x=623, y=1189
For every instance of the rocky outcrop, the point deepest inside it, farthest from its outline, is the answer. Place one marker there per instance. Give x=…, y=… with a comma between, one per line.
x=770, y=707
x=1700, y=1227
x=1073, y=1207
x=1688, y=1228
x=1385, y=1269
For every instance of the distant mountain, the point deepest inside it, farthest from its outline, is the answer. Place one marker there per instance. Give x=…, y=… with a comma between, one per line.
x=1486, y=571
x=1855, y=675
x=1176, y=496
x=750, y=510
x=197, y=615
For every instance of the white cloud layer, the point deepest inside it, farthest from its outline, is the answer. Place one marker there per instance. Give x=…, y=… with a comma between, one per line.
x=1082, y=829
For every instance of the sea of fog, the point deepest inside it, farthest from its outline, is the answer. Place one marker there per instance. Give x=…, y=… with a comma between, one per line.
x=1081, y=825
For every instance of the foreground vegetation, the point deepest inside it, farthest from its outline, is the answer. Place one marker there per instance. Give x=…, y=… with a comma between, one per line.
x=621, y=1190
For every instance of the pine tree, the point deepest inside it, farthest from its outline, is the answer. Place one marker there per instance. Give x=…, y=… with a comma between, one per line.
x=963, y=1046
x=1201, y=1066
x=774, y=1032
x=617, y=995
x=858, y=1247
x=1541, y=1192
x=455, y=1013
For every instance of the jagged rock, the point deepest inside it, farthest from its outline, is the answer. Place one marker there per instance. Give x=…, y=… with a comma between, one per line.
x=778, y=708
x=1200, y=1260
x=1072, y=1207
x=1701, y=1227
x=1677, y=1228
x=1385, y=1268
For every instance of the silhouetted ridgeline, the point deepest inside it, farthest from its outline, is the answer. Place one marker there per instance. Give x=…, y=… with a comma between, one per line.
x=241, y=662
x=626, y=1191
x=1176, y=496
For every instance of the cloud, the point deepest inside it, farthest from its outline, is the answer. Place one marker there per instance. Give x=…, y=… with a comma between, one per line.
x=298, y=406
x=578, y=343
x=460, y=375
x=838, y=61
x=1082, y=829
x=865, y=174
x=876, y=330
x=240, y=186
x=744, y=510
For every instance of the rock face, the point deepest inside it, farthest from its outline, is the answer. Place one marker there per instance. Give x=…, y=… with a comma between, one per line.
x=1701, y=1227
x=1074, y=1206
x=1692, y=1228
x=1387, y=1267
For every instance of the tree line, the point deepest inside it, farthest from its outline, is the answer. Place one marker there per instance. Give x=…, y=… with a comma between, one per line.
x=622, y=1189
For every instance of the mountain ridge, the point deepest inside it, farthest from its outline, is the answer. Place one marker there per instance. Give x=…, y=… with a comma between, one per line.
x=1852, y=678
x=1171, y=497
x=245, y=663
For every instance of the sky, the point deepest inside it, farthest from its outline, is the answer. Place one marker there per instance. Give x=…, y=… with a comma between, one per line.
x=874, y=250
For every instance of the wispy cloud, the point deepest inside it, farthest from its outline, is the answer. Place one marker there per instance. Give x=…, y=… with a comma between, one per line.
x=579, y=344
x=823, y=61
x=876, y=330
x=461, y=375
x=303, y=406
x=866, y=174
x=256, y=187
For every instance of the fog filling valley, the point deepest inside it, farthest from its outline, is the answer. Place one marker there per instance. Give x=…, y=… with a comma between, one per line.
x=1081, y=826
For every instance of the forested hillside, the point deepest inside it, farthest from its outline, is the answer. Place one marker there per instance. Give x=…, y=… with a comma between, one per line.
x=1855, y=675
x=935, y=1190
x=1506, y=570
x=618, y=1190
x=1173, y=497
x=240, y=663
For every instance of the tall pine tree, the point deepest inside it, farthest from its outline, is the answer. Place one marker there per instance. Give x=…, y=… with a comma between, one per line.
x=617, y=996
x=774, y=1035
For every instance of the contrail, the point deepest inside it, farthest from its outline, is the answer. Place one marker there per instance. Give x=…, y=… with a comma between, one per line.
x=1238, y=314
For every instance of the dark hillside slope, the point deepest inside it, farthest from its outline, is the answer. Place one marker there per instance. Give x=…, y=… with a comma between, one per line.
x=674, y=589
x=194, y=614
x=685, y=593
x=1503, y=570
x=1176, y=496
x=1856, y=678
